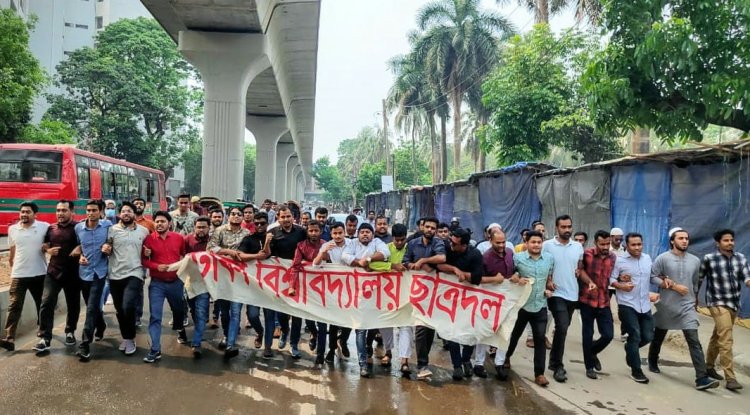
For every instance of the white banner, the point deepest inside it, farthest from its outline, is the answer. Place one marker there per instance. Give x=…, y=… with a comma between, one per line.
x=353, y=297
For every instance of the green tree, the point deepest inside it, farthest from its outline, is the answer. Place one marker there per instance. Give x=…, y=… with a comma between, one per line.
x=129, y=96
x=410, y=170
x=673, y=66
x=328, y=178
x=369, y=179
x=249, y=173
x=535, y=100
x=47, y=132
x=459, y=46
x=21, y=77
x=542, y=9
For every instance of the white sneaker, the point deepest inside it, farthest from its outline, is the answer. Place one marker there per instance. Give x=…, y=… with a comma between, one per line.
x=123, y=345
x=424, y=374
x=130, y=347
x=624, y=337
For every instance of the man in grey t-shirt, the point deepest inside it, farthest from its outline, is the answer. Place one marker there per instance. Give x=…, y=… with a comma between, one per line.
x=676, y=273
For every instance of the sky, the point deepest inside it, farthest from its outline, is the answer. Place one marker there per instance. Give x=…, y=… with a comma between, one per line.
x=356, y=40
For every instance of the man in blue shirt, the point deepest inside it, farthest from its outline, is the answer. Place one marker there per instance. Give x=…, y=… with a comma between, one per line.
x=631, y=277
x=424, y=253
x=92, y=235
x=534, y=266
x=568, y=256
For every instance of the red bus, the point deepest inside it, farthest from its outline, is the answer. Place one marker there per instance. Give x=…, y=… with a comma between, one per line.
x=45, y=174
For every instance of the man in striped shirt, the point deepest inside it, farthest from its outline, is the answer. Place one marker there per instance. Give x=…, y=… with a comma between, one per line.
x=724, y=271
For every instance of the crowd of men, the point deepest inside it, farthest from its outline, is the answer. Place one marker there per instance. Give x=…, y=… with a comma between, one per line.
x=121, y=249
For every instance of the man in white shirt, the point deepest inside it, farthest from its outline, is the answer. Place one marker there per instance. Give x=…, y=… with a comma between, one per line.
x=398, y=216
x=28, y=267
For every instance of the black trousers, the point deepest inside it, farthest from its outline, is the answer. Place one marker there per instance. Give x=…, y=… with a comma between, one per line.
x=70, y=284
x=694, y=346
x=423, y=338
x=562, y=312
x=538, y=322
x=335, y=333
x=125, y=294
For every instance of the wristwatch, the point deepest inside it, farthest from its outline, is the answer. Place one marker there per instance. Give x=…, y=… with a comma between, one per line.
x=369, y=259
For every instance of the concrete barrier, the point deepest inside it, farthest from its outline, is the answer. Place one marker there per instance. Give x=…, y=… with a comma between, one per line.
x=28, y=323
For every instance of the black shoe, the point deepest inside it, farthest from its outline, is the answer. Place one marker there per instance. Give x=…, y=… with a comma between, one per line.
x=560, y=375
x=42, y=347
x=364, y=372
x=329, y=356
x=597, y=364
x=7, y=344
x=501, y=373
x=197, y=353
x=70, y=339
x=639, y=377
x=706, y=383
x=99, y=334
x=653, y=366
x=712, y=373
x=591, y=374
x=468, y=370
x=458, y=373
x=84, y=353
x=231, y=352
x=222, y=344
x=313, y=342
x=268, y=353
x=182, y=337
x=480, y=372
x=319, y=361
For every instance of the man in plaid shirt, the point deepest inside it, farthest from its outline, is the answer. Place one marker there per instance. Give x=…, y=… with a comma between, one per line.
x=594, y=300
x=724, y=271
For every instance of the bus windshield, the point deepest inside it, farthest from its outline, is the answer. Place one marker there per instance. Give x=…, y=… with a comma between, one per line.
x=30, y=166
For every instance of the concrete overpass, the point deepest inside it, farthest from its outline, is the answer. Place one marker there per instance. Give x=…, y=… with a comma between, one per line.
x=258, y=61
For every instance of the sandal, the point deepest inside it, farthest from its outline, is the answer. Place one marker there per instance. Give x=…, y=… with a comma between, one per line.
x=385, y=361
x=405, y=369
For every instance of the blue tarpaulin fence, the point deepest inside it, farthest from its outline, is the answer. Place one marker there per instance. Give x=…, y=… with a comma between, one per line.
x=510, y=200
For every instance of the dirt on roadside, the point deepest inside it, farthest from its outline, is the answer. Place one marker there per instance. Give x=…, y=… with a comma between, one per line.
x=4, y=271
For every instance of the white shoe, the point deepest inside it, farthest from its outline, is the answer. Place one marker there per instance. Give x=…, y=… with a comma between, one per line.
x=123, y=345
x=130, y=347
x=624, y=337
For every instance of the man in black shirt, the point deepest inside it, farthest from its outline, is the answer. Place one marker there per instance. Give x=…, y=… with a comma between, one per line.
x=252, y=248
x=381, y=229
x=465, y=262
x=283, y=241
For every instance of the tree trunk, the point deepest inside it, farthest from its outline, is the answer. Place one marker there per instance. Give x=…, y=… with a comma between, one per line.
x=443, y=149
x=435, y=164
x=542, y=12
x=457, y=94
x=482, y=160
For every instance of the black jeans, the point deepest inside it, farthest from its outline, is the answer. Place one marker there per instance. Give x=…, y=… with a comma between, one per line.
x=423, y=338
x=460, y=353
x=694, y=346
x=538, y=322
x=336, y=333
x=92, y=296
x=70, y=284
x=603, y=318
x=296, y=327
x=17, y=297
x=640, y=330
x=126, y=294
x=562, y=312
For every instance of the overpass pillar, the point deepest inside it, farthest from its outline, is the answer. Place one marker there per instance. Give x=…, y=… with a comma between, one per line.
x=293, y=161
x=267, y=132
x=294, y=193
x=227, y=63
x=300, y=186
x=283, y=152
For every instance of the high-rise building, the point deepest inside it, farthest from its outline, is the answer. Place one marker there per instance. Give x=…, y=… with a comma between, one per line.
x=21, y=7
x=65, y=25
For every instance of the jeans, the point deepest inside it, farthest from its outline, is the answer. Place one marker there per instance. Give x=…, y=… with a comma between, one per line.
x=253, y=317
x=92, y=295
x=603, y=318
x=722, y=340
x=71, y=285
x=481, y=353
x=296, y=333
x=336, y=333
x=321, y=340
x=17, y=296
x=361, y=347
x=139, y=306
x=125, y=294
x=269, y=316
x=216, y=311
x=105, y=294
x=200, y=308
x=424, y=338
x=230, y=319
x=694, y=346
x=640, y=330
x=460, y=353
x=538, y=321
x=158, y=291
x=562, y=312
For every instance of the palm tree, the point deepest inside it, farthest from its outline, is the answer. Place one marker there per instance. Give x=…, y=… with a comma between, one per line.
x=458, y=48
x=542, y=9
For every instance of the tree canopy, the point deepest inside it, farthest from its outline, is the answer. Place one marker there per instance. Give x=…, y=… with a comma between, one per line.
x=21, y=77
x=129, y=97
x=673, y=66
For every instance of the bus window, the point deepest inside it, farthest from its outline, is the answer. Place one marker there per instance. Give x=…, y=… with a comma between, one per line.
x=108, y=185
x=30, y=166
x=133, y=187
x=84, y=183
x=144, y=188
x=121, y=186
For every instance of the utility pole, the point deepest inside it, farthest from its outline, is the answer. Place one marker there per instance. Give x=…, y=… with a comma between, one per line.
x=385, y=142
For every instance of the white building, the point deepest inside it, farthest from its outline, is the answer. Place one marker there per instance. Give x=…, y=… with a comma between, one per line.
x=66, y=25
x=21, y=7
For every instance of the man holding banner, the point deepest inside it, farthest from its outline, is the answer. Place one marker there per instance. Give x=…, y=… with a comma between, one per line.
x=424, y=253
x=361, y=253
x=306, y=252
